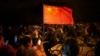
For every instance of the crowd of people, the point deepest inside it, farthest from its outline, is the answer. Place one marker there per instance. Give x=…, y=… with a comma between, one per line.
x=35, y=40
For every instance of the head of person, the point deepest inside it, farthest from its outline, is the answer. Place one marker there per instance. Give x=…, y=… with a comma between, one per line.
x=51, y=30
x=73, y=47
x=27, y=41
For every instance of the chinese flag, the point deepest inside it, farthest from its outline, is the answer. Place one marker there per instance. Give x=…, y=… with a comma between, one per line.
x=57, y=15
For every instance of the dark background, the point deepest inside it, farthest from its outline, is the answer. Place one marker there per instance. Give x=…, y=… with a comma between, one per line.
x=16, y=12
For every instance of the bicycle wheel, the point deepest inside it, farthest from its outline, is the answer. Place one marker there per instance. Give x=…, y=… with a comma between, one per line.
x=56, y=53
x=90, y=53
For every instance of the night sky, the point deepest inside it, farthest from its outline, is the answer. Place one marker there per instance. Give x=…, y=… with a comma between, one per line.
x=14, y=12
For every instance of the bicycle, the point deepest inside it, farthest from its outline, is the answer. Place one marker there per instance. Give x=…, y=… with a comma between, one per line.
x=56, y=51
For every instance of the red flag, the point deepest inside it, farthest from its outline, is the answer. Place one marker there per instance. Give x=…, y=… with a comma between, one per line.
x=57, y=15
